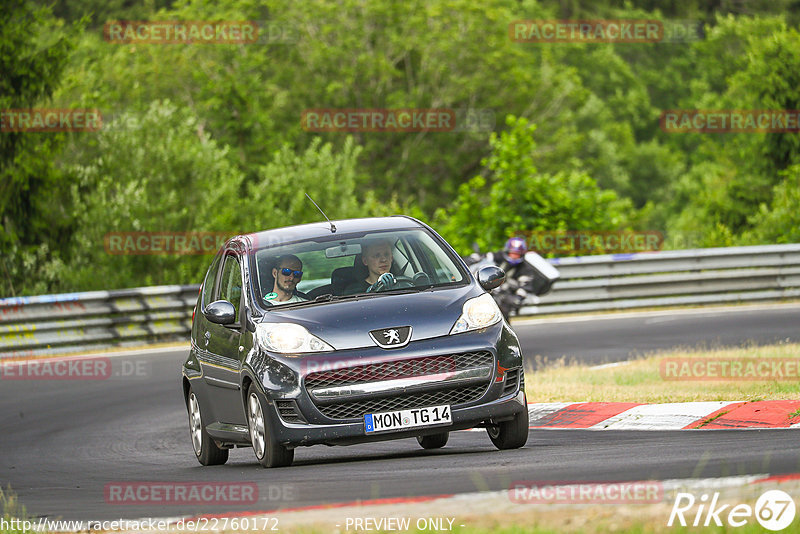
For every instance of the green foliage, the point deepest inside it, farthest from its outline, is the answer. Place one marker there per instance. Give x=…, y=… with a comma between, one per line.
x=746, y=63
x=158, y=172
x=778, y=222
x=34, y=49
x=329, y=177
x=208, y=137
x=518, y=198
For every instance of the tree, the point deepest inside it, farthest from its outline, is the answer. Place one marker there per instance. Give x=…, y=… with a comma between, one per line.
x=746, y=63
x=517, y=198
x=34, y=49
x=155, y=172
x=330, y=177
x=778, y=222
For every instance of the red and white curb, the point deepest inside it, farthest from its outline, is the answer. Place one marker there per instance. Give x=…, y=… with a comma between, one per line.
x=669, y=416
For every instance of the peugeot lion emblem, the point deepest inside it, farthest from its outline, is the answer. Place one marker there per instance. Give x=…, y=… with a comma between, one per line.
x=391, y=338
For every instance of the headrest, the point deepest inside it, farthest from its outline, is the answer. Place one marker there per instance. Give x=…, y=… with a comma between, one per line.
x=341, y=278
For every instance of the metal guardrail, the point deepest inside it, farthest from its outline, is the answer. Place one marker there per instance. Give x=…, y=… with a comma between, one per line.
x=669, y=278
x=52, y=324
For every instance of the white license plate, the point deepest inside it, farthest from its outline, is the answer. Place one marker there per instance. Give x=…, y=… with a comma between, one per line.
x=402, y=419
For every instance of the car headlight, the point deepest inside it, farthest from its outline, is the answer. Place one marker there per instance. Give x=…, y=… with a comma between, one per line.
x=478, y=312
x=288, y=338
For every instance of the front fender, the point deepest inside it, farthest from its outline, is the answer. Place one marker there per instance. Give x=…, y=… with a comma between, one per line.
x=272, y=377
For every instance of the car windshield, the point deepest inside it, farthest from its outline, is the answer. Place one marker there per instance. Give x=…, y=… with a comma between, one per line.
x=337, y=267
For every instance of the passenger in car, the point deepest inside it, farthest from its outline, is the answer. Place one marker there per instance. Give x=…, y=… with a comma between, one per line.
x=287, y=273
x=377, y=257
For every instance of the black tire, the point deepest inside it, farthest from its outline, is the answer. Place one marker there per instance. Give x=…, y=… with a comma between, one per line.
x=269, y=453
x=205, y=449
x=511, y=434
x=434, y=441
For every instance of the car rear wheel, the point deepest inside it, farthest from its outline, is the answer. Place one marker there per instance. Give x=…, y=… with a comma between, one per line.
x=268, y=452
x=434, y=441
x=204, y=447
x=511, y=434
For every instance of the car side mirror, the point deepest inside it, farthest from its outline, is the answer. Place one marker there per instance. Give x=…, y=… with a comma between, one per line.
x=491, y=277
x=220, y=312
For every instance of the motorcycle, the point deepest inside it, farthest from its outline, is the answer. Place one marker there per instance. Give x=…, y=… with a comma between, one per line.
x=513, y=293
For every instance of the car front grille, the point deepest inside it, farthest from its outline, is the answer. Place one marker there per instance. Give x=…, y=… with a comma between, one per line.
x=288, y=411
x=357, y=409
x=512, y=378
x=408, y=368
x=453, y=393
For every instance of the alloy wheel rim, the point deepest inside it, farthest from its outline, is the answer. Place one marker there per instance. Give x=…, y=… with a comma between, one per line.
x=195, y=424
x=493, y=430
x=256, y=425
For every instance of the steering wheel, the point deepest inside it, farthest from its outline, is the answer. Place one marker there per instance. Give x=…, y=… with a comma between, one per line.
x=422, y=279
x=388, y=281
x=403, y=282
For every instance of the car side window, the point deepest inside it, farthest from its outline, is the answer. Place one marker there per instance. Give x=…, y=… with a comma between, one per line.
x=231, y=283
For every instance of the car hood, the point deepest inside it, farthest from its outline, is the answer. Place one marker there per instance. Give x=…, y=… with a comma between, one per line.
x=346, y=324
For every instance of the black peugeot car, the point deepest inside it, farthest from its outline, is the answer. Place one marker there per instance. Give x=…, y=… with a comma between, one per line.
x=348, y=332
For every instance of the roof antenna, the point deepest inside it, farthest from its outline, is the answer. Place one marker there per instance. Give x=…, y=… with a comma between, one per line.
x=333, y=226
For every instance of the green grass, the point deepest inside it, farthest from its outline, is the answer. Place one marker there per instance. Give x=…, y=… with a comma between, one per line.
x=524, y=519
x=640, y=380
x=580, y=520
x=12, y=509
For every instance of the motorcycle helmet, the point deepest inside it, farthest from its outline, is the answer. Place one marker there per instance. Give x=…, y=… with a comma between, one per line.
x=514, y=250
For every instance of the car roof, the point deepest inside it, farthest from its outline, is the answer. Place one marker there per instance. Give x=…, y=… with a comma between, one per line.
x=300, y=232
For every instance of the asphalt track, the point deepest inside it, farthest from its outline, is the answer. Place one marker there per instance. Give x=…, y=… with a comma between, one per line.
x=615, y=337
x=63, y=442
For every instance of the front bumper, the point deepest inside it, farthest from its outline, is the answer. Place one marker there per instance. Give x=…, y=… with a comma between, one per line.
x=499, y=398
x=296, y=435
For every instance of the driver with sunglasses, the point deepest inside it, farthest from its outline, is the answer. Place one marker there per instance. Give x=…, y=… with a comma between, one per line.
x=287, y=273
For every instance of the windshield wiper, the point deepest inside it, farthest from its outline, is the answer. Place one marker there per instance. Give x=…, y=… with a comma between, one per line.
x=327, y=297
x=398, y=291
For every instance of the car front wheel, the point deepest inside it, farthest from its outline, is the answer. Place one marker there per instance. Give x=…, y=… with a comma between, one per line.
x=268, y=452
x=511, y=434
x=204, y=447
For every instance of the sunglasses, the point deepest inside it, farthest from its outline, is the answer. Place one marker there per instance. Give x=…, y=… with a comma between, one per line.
x=287, y=271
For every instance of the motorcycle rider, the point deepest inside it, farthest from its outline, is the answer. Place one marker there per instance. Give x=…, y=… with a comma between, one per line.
x=519, y=275
x=511, y=258
x=532, y=276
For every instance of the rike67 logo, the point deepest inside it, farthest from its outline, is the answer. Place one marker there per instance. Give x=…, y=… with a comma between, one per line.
x=774, y=510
